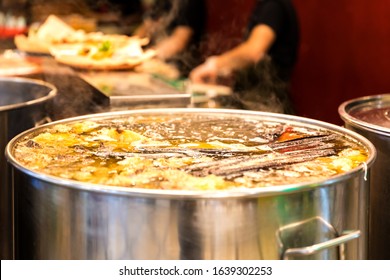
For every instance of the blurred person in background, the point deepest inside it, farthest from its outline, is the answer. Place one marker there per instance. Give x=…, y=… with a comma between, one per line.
x=260, y=67
x=175, y=29
x=39, y=10
x=117, y=16
x=108, y=16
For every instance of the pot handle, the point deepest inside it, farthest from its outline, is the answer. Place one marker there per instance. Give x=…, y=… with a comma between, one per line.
x=313, y=249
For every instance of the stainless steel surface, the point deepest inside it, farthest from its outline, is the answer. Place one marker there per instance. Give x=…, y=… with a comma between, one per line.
x=133, y=90
x=21, y=107
x=316, y=248
x=135, y=101
x=379, y=229
x=62, y=219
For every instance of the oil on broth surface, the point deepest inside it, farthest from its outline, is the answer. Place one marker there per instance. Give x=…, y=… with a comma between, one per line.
x=189, y=152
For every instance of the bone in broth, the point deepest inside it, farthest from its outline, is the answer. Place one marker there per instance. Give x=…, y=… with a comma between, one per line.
x=188, y=151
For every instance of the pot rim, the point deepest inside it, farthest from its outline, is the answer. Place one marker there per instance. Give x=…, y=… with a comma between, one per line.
x=52, y=92
x=185, y=194
x=378, y=99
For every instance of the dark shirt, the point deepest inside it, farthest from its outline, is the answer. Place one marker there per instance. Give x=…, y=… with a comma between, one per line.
x=264, y=86
x=281, y=16
x=189, y=13
x=125, y=7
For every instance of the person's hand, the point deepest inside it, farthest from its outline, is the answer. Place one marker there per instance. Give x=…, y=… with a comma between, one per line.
x=174, y=44
x=165, y=49
x=206, y=72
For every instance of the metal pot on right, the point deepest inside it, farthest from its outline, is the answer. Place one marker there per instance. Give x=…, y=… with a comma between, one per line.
x=370, y=117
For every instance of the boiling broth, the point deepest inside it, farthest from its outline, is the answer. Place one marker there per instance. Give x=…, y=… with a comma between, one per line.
x=188, y=152
x=376, y=116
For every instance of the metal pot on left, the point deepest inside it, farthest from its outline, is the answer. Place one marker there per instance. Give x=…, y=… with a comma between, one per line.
x=23, y=104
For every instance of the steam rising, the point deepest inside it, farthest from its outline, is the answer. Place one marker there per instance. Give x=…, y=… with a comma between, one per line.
x=75, y=97
x=164, y=20
x=259, y=88
x=165, y=15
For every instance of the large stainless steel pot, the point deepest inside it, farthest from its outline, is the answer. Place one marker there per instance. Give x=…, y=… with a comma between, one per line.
x=370, y=117
x=63, y=219
x=22, y=106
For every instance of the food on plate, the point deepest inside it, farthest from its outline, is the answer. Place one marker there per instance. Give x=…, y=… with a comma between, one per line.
x=55, y=31
x=52, y=31
x=92, y=50
x=188, y=152
x=103, y=55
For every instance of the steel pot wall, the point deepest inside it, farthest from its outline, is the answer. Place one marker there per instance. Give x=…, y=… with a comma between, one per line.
x=61, y=219
x=379, y=135
x=22, y=106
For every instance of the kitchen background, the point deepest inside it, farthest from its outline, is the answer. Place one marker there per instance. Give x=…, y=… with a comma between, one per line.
x=344, y=50
x=343, y=53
